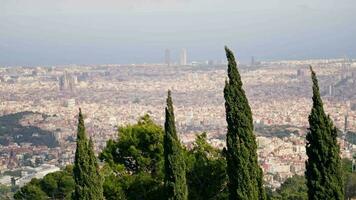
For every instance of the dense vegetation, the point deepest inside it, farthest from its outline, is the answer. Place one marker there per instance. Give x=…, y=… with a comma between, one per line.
x=57, y=185
x=134, y=163
x=139, y=172
x=293, y=188
x=206, y=180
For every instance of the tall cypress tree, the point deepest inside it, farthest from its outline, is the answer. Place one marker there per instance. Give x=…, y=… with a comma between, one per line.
x=245, y=175
x=175, y=169
x=323, y=167
x=96, y=179
x=88, y=183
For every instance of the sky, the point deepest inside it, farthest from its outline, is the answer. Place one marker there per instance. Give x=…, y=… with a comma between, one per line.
x=59, y=32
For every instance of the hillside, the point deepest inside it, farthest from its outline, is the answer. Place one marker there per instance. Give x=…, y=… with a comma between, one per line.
x=12, y=130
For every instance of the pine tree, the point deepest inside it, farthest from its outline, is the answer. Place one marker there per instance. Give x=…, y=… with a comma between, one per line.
x=86, y=175
x=245, y=175
x=175, y=169
x=323, y=167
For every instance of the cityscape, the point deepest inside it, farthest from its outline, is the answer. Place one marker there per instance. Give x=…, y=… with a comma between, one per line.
x=42, y=103
x=177, y=100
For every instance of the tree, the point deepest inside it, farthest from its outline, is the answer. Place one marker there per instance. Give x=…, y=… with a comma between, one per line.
x=350, y=188
x=112, y=185
x=58, y=185
x=175, y=169
x=134, y=165
x=294, y=188
x=206, y=169
x=139, y=148
x=88, y=182
x=31, y=191
x=94, y=173
x=143, y=186
x=245, y=175
x=323, y=167
x=136, y=160
x=350, y=179
x=5, y=192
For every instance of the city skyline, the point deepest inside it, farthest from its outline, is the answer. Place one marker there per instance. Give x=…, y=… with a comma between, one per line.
x=46, y=101
x=41, y=32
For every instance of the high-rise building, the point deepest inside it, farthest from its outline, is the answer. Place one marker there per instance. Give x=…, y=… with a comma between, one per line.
x=331, y=90
x=252, y=61
x=183, y=57
x=167, y=57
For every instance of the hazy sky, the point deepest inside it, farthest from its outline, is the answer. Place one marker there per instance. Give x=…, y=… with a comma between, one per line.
x=135, y=31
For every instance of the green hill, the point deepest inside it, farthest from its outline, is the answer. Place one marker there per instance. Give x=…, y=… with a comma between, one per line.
x=11, y=130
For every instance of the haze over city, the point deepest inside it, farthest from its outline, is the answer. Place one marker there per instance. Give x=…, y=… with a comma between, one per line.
x=48, y=32
x=177, y=99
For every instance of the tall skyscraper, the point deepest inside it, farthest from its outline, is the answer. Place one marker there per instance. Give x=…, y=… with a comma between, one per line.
x=331, y=90
x=252, y=60
x=183, y=57
x=167, y=57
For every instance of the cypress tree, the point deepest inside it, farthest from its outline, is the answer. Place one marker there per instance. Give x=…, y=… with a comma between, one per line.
x=96, y=179
x=88, y=183
x=175, y=169
x=245, y=175
x=323, y=167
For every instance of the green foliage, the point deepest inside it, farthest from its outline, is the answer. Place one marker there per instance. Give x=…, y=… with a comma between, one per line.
x=293, y=188
x=139, y=148
x=346, y=166
x=350, y=186
x=113, y=189
x=57, y=185
x=143, y=186
x=175, y=168
x=31, y=191
x=134, y=165
x=323, y=167
x=245, y=175
x=112, y=186
x=350, y=179
x=136, y=162
x=5, y=192
x=206, y=171
x=88, y=182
